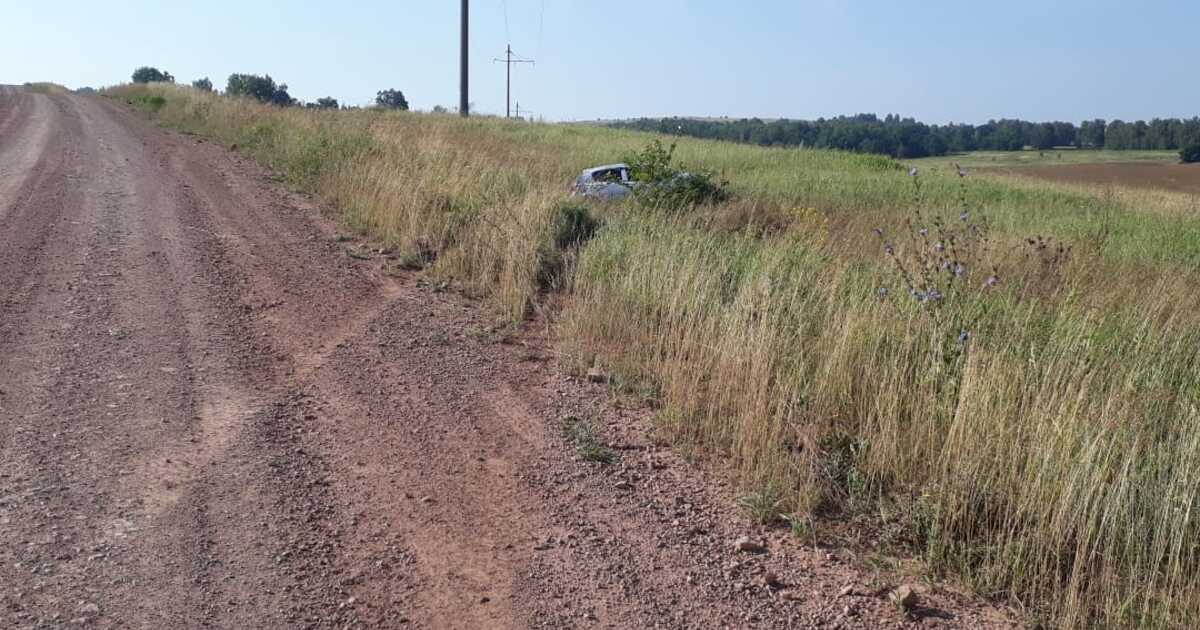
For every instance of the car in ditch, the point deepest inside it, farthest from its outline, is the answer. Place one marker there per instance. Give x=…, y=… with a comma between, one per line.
x=608, y=182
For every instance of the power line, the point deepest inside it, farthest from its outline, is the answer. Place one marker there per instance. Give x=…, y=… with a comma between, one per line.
x=508, y=62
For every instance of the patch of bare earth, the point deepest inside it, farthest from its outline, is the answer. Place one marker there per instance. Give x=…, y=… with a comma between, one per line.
x=1183, y=178
x=212, y=417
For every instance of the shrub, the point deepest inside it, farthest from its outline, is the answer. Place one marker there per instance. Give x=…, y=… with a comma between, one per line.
x=652, y=164
x=391, y=99
x=1190, y=154
x=204, y=85
x=660, y=185
x=147, y=74
x=574, y=225
x=683, y=190
x=148, y=102
x=325, y=102
x=261, y=88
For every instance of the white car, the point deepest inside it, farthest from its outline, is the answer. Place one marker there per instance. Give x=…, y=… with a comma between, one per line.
x=607, y=182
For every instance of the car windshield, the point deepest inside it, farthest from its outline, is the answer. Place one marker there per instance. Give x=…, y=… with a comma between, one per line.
x=608, y=175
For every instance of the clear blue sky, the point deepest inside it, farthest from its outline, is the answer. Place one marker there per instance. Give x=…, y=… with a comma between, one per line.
x=936, y=60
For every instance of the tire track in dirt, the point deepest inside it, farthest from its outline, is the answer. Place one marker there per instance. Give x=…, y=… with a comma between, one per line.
x=132, y=354
x=25, y=132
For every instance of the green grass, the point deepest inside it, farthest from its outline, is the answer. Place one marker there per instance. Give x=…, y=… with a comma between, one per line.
x=148, y=102
x=584, y=436
x=764, y=505
x=1052, y=458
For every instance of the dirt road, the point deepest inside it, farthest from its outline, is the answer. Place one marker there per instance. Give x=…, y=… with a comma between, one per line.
x=212, y=417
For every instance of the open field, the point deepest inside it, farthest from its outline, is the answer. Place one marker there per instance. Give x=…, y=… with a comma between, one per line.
x=1001, y=379
x=1182, y=178
x=1157, y=170
x=1048, y=157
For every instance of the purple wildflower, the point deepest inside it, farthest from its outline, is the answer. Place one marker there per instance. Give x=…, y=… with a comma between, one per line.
x=878, y=231
x=964, y=337
x=965, y=216
x=912, y=172
x=991, y=281
x=883, y=292
x=938, y=246
x=923, y=231
x=959, y=270
x=889, y=249
x=935, y=295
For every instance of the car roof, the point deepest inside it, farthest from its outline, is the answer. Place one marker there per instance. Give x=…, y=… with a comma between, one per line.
x=604, y=168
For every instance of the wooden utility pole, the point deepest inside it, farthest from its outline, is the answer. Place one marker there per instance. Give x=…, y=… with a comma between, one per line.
x=463, y=104
x=508, y=62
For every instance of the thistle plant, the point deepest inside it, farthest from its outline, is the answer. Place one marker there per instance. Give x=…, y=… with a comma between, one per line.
x=940, y=259
x=943, y=267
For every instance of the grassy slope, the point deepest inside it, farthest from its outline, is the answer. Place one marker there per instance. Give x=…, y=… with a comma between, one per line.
x=1051, y=453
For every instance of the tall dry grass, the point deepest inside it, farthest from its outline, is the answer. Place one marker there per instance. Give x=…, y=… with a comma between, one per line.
x=1049, y=455
x=1038, y=437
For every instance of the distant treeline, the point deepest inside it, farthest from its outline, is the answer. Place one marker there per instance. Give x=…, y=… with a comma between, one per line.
x=907, y=138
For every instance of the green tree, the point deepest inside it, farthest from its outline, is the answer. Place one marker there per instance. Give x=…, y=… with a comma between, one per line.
x=260, y=88
x=1065, y=134
x=1042, y=136
x=1119, y=136
x=391, y=99
x=1190, y=154
x=147, y=74
x=1091, y=134
x=204, y=85
x=1160, y=135
x=325, y=102
x=1189, y=131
